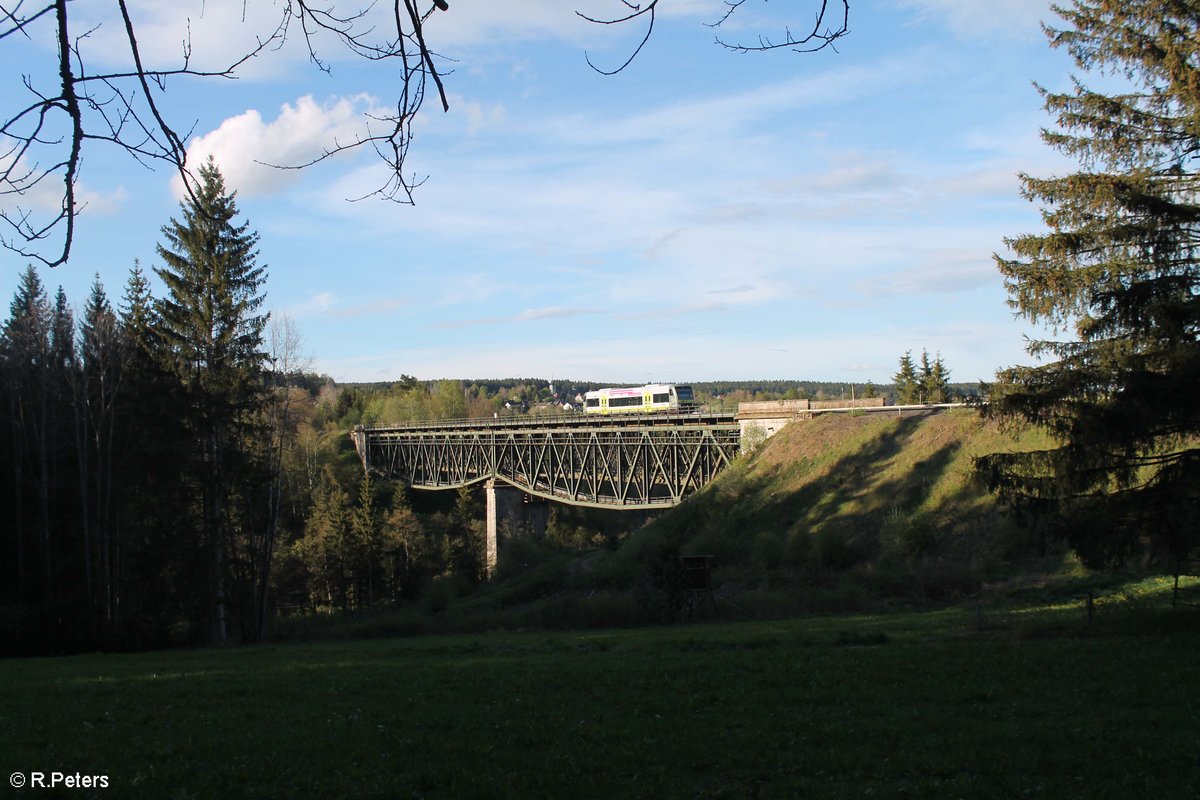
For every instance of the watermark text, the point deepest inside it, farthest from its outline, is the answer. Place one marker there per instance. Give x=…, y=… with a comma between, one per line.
x=57, y=780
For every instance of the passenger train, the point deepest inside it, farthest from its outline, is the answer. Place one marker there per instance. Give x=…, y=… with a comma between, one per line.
x=640, y=399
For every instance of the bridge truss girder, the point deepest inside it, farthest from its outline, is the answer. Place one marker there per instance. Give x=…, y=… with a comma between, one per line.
x=604, y=466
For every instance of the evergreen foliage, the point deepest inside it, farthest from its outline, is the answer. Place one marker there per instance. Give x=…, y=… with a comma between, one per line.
x=935, y=379
x=908, y=387
x=208, y=323
x=1119, y=269
x=210, y=338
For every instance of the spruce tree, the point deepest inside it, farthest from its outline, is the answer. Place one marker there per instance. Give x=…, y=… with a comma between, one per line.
x=210, y=336
x=409, y=551
x=1119, y=269
x=95, y=402
x=152, y=505
x=365, y=528
x=935, y=379
x=25, y=353
x=908, y=387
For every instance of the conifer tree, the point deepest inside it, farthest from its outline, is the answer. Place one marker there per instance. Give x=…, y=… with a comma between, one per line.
x=95, y=404
x=210, y=336
x=153, y=507
x=935, y=379
x=25, y=353
x=469, y=546
x=1116, y=279
x=410, y=553
x=326, y=547
x=908, y=386
x=366, y=529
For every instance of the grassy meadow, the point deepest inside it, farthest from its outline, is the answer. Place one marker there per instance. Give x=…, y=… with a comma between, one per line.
x=1019, y=703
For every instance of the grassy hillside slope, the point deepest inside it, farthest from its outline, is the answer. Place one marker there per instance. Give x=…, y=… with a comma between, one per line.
x=884, y=495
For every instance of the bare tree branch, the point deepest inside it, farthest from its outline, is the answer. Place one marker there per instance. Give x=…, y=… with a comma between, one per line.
x=647, y=11
x=828, y=26
x=822, y=34
x=122, y=108
x=42, y=143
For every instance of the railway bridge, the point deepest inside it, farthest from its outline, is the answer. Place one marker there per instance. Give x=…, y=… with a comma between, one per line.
x=615, y=461
x=631, y=461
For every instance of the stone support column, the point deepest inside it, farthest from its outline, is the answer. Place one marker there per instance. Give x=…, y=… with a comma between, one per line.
x=508, y=514
x=499, y=512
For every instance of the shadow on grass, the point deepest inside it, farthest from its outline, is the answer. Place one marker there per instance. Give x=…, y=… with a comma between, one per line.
x=844, y=506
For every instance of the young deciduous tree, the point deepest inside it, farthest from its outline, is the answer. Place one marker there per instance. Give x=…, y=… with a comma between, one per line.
x=1119, y=268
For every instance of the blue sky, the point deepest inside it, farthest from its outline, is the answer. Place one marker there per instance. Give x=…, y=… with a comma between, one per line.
x=703, y=215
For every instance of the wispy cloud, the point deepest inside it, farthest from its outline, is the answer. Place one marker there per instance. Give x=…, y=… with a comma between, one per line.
x=528, y=315
x=979, y=19
x=47, y=194
x=384, y=305
x=328, y=304
x=950, y=273
x=676, y=311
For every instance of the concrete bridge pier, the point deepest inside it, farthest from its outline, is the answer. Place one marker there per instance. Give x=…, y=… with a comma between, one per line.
x=510, y=512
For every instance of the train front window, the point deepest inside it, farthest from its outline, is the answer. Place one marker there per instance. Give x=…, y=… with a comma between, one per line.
x=685, y=394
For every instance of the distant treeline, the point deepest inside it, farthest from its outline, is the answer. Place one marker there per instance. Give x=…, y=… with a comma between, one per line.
x=410, y=399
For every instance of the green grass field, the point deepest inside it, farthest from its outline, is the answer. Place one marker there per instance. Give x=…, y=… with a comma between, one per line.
x=913, y=705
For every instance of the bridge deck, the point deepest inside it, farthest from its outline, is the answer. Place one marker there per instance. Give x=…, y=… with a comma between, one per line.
x=559, y=421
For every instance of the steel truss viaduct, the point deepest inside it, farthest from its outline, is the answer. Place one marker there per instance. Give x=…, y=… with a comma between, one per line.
x=624, y=462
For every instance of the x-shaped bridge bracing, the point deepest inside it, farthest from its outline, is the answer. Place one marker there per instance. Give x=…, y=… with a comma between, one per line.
x=628, y=462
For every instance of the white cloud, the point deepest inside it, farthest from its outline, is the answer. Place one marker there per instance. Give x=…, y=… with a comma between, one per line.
x=249, y=149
